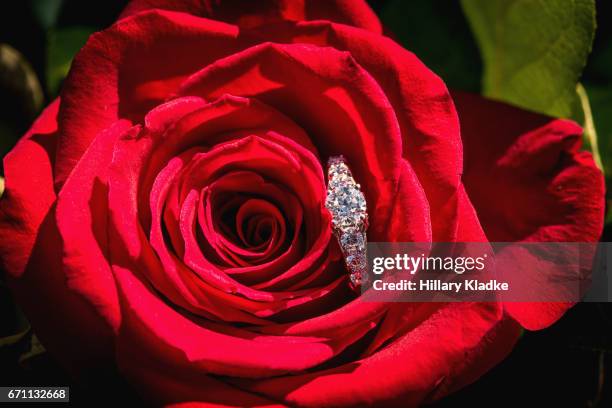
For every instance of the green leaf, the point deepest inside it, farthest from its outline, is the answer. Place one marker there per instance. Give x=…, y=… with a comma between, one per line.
x=64, y=43
x=591, y=141
x=601, y=102
x=598, y=83
x=14, y=338
x=438, y=33
x=36, y=349
x=46, y=12
x=534, y=51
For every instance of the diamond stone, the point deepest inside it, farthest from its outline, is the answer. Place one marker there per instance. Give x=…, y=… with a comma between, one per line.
x=356, y=261
x=356, y=279
x=345, y=200
x=353, y=241
x=347, y=205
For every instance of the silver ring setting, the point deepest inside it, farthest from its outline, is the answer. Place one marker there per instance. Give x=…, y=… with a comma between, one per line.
x=347, y=205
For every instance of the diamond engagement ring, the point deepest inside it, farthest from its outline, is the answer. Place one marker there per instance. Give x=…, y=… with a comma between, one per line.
x=347, y=205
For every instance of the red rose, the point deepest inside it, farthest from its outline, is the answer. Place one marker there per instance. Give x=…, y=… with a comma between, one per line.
x=165, y=216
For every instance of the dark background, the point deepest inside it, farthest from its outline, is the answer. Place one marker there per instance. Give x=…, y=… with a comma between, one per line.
x=567, y=365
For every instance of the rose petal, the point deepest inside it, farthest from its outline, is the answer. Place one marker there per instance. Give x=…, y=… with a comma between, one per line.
x=117, y=74
x=176, y=342
x=31, y=255
x=252, y=13
x=563, y=200
x=83, y=202
x=28, y=192
x=409, y=368
x=343, y=109
x=424, y=108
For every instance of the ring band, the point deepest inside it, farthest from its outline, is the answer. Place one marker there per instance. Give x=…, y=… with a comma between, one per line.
x=347, y=205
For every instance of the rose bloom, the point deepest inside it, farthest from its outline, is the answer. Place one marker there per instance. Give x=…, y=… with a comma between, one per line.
x=164, y=218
